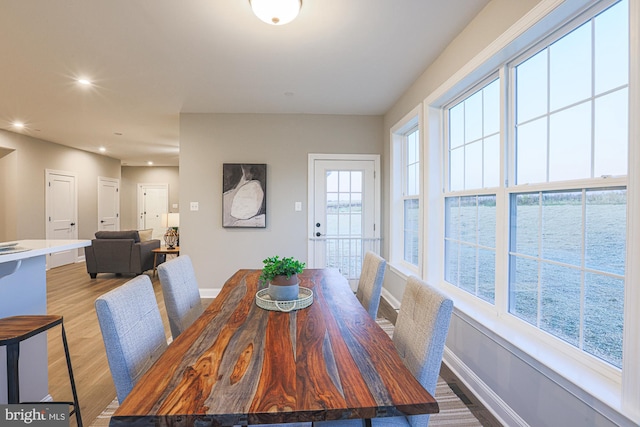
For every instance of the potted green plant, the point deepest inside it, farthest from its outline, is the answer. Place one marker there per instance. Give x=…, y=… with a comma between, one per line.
x=281, y=274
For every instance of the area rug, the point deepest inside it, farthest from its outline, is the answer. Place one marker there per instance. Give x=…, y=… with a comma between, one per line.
x=453, y=411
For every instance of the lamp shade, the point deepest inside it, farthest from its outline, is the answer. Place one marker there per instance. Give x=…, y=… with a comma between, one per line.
x=276, y=12
x=173, y=219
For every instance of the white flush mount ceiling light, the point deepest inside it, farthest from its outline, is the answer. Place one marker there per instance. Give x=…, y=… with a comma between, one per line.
x=276, y=12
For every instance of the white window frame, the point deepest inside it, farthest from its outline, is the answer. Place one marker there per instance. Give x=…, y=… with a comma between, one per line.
x=611, y=373
x=480, y=191
x=398, y=180
x=612, y=393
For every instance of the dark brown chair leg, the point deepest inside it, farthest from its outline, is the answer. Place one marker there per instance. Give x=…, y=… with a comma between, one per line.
x=76, y=405
x=13, y=381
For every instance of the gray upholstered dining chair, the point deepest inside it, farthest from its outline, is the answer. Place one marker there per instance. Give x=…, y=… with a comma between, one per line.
x=370, y=283
x=132, y=331
x=181, y=293
x=419, y=337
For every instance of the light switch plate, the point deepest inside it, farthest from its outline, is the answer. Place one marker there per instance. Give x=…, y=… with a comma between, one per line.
x=194, y=206
x=298, y=206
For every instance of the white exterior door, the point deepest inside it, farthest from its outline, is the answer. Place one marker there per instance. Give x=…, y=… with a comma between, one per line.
x=153, y=203
x=108, y=204
x=344, y=211
x=62, y=213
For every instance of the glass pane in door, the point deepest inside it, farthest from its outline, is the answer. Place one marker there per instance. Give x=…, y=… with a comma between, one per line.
x=344, y=230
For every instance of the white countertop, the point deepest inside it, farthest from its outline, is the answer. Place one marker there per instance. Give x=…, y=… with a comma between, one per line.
x=40, y=247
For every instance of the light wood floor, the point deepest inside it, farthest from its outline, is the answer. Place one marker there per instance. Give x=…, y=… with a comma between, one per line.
x=71, y=293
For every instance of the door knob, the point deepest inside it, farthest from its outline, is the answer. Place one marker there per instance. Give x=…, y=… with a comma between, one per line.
x=318, y=234
x=72, y=224
x=317, y=224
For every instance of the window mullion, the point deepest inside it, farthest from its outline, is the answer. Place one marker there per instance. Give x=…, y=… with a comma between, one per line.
x=548, y=119
x=583, y=274
x=593, y=94
x=539, y=263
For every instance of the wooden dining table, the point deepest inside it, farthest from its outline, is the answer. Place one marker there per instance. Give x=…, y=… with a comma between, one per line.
x=239, y=364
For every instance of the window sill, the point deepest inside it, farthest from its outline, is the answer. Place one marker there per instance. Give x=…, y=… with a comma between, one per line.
x=403, y=270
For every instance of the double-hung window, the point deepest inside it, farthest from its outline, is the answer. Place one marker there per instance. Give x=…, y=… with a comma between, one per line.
x=411, y=195
x=536, y=187
x=568, y=199
x=473, y=153
x=406, y=194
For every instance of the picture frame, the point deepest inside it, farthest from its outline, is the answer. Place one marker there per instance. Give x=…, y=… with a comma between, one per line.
x=244, y=195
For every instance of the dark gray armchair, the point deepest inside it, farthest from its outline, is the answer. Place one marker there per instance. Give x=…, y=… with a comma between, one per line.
x=120, y=252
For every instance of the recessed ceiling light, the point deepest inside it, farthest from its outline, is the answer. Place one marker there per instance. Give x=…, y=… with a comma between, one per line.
x=18, y=125
x=102, y=149
x=150, y=163
x=84, y=82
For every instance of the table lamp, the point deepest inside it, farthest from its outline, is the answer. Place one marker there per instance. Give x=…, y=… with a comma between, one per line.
x=171, y=236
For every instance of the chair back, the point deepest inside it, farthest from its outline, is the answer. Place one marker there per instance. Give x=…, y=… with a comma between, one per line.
x=370, y=284
x=132, y=331
x=181, y=293
x=420, y=334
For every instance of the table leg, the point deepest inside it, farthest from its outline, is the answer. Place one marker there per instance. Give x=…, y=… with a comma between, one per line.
x=155, y=263
x=366, y=422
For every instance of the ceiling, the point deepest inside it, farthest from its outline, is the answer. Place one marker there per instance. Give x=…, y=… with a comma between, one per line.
x=150, y=60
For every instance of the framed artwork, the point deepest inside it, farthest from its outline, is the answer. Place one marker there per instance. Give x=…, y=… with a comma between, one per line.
x=244, y=195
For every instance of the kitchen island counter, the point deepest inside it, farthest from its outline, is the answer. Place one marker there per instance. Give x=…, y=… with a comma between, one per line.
x=23, y=290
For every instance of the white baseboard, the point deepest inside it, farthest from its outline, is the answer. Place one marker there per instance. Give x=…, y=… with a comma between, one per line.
x=486, y=395
x=393, y=301
x=209, y=292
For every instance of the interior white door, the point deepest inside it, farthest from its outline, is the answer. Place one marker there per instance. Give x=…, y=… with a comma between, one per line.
x=153, y=203
x=62, y=213
x=108, y=204
x=344, y=213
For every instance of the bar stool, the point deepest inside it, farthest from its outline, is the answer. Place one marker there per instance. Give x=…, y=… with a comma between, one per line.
x=15, y=329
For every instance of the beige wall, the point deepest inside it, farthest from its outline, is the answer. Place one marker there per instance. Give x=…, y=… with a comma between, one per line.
x=8, y=195
x=134, y=175
x=32, y=157
x=283, y=142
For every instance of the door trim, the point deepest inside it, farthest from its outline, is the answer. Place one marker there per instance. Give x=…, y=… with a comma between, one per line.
x=139, y=201
x=117, y=183
x=312, y=158
x=48, y=208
